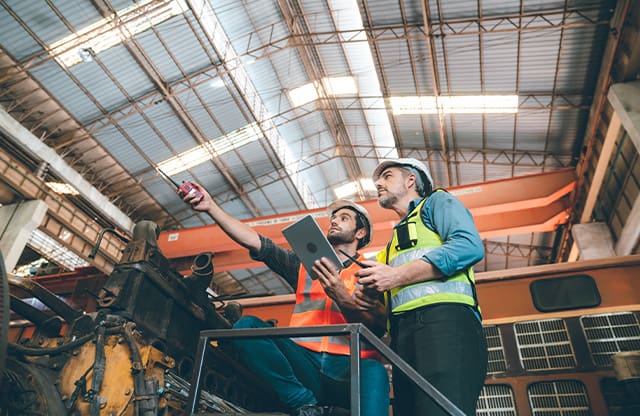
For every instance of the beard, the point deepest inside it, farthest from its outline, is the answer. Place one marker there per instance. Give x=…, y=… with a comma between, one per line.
x=387, y=201
x=341, y=237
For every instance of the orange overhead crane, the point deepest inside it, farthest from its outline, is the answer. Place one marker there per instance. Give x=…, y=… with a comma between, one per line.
x=532, y=203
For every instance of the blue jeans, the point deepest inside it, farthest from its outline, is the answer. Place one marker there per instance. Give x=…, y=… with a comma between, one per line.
x=301, y=376
x=446, y=345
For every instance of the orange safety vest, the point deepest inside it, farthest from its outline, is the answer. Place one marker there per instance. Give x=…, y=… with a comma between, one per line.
x=314, y=307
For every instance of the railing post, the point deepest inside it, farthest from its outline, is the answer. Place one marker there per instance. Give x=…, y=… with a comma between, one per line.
x=354, y=330
x=194, y=390
x=355, y=368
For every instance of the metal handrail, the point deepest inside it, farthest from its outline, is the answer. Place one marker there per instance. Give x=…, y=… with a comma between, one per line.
x=355, y=331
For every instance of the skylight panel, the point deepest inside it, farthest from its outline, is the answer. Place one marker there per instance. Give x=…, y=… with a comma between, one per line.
x=55, y=251
x=346, y=190
x=110, y=31
x=368, y=185
x=304, y=94
x=333, y=86
x=350, y=189
x=463, y=104
x=340, y=85
x=213, y=148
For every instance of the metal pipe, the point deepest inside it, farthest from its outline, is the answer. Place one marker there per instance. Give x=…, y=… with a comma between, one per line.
x=95, y=249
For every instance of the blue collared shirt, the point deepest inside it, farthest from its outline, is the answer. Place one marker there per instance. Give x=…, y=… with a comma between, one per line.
x=461, y=245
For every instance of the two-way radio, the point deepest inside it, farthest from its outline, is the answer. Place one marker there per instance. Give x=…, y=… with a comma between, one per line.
x=184, y=189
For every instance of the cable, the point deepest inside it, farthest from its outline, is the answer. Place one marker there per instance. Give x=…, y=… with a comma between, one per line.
x=21, y=349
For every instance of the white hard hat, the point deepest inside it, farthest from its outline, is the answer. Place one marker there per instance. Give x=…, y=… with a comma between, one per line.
x=345, y=203
x=407, y=162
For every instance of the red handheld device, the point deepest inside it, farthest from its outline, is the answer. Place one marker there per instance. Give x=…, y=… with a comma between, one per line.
x=186, y=188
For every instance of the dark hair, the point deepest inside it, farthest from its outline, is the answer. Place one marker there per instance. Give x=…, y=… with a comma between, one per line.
x=361, y=222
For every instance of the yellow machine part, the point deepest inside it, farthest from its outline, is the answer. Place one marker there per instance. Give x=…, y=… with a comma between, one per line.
x=117, y=389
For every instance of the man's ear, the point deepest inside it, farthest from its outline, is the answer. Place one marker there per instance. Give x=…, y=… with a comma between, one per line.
x=361, y=233
x=411, y=180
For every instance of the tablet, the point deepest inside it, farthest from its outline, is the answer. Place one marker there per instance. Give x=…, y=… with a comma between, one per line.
x=309, y=243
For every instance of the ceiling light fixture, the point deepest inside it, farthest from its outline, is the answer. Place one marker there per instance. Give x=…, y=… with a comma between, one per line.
x=213, y=148
x=62, y=188
x=463, y=104
x=108, y=32
x=86, y=54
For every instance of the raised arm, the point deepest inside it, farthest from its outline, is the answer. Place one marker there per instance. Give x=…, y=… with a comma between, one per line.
x=239, y=232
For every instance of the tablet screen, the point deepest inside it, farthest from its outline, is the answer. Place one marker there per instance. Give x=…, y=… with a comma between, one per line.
x=310, y=244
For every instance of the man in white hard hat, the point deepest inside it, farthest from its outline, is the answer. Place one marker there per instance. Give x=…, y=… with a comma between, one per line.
x=427, y=277
x=302, y=371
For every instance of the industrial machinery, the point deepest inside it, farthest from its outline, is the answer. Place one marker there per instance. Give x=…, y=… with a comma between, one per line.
x=134, y=355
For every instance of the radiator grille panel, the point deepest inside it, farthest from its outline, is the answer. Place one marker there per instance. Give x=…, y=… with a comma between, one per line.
x=544, y=345
x=609, y=334
x=558, y=398
x=496, y=400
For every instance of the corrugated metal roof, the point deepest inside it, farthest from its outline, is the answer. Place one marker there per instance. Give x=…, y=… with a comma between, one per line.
x=98, y=84
x=66, y=91
x=185, y=47
x=123, y=67
x=41, y=21
x=80, y=17
x=167, y=90
x=16, y=40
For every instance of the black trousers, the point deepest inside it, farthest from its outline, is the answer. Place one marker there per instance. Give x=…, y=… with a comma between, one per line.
x=446, y=345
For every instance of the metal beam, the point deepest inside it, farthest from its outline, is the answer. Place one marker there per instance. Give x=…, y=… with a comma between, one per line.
x=23, y=96
x=616, y=279
x=64, y=222
x=616, y=26
x=533, y=203
x=31, y=145
x=315, y=69
x=508, y=23
x=625, y=100
x=212, y=29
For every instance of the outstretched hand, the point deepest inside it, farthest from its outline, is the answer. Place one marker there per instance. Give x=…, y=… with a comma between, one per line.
x=199, y=202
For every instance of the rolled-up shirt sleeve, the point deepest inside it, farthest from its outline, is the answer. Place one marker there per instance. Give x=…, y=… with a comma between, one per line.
x=281, y=261
x=461, y=243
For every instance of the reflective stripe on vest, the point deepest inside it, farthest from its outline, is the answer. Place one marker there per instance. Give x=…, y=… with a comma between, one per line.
x=314, y=307
x=409, y=293
x=455, y=289
x=409, y=256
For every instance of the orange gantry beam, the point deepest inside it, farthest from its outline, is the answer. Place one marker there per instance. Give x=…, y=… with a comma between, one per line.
x=505, y=295
x=532, y=203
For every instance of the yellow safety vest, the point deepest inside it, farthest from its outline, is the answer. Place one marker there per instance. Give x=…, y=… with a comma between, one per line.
x=459, y=288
